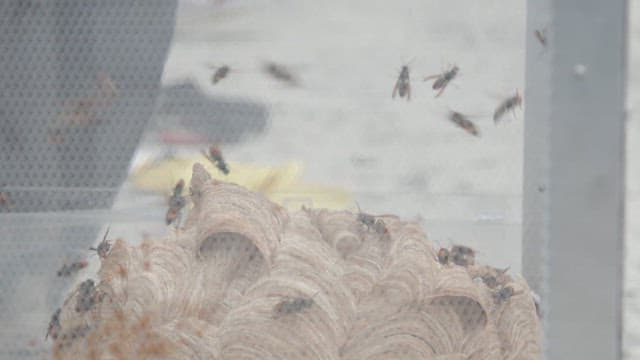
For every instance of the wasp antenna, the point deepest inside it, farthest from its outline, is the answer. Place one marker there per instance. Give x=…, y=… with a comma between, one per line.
x=106, y=233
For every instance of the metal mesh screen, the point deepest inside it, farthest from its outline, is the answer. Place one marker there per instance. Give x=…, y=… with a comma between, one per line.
x=79, y=83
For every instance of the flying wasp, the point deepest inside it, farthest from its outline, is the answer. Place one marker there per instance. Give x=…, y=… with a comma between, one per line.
x=463, y=122
x=281, y=73
x=443, y=79
x=508, y=104
x=403, y=85
x=220, y=73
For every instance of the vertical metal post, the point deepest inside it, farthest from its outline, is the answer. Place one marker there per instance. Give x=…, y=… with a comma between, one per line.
x=574, y=173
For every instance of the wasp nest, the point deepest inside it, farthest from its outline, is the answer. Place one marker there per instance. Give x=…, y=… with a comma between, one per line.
x=246, y=279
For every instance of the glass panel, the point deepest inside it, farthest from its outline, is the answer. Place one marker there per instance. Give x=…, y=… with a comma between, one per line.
x=401, y=119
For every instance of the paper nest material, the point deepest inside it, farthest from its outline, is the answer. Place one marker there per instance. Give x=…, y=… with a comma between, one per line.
x=244, y=278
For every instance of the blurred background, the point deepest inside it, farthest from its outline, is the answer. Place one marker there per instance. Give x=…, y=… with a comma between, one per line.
x=106, y=106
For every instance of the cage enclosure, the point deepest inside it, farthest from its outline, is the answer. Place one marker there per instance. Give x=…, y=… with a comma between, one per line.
x=222, y=179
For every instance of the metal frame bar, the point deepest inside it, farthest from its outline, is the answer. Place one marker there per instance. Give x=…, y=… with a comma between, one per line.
x=573, y=211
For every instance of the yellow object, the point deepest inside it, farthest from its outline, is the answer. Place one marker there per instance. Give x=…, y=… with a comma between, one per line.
x=279, y=184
